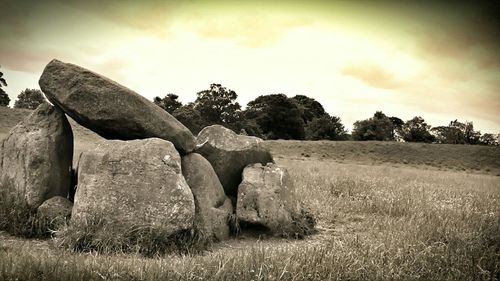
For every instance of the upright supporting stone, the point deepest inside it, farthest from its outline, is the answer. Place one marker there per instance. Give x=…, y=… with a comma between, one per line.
x=213, y=207
x=36, y=156
x=136, y=183
x=267, y=197
x=230, y=153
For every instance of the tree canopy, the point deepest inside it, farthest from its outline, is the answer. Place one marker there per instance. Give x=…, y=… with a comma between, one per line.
x=416, y=130
x=190, y=117
x=277, y=116
x=325, y=127
x=457, y=133
x=379, y=127
x=3, y=83
x=4, y=98
x=169, y=103
x=218, y=105
x=309, y=108
x=29, y=99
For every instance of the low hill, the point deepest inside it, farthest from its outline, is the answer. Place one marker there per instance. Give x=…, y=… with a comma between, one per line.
x=470, y=158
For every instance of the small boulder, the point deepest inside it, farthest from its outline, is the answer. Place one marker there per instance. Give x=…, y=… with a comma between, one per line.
x=136, y=183
x=230, y=153
x=36, y=156
x=213, y=207
x=55, y=208
x=110, y=109
x=266, y=197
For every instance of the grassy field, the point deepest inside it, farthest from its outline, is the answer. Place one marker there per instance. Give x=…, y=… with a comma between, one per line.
x=379, y=218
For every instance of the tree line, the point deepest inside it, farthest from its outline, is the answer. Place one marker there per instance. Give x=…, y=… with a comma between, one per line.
x=277, y=116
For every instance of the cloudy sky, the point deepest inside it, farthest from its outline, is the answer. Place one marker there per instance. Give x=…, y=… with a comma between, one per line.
x=440, y=61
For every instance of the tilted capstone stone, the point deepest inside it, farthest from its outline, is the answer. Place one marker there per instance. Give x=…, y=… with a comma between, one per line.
x=110, y=109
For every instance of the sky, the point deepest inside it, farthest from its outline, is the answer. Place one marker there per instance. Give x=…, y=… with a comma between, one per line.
x=437, y=60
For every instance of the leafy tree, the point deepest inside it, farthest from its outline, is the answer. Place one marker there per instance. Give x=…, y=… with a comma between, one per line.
x=446, y=134
x=277, y=116
x=416, y=130
x=218, y=105
x=4, y=98
x=190, y=117
x=471, y=136
x=309, y=108
x=325, y=127
x=250, y=127
x=457, y=133
x=30, y=99
x=169, y=103
x=379, y=127
x=3, y=83
x=489, y=139
x=397, y=125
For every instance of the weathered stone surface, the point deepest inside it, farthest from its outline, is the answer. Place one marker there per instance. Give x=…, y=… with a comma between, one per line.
x=230, y=153
x=134, y=183
x=109, y=109
x=267, y=197
x=55, y=208
x=36, y=156
x=213, y=207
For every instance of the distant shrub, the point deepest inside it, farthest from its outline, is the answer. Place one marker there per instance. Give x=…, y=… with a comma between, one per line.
x=95, y=233
x=304, y=224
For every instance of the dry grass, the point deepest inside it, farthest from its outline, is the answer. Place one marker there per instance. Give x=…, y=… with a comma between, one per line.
x=470, y=158
x=386, y=211
x=9, y=118
x=375, y=223
x=18, y=219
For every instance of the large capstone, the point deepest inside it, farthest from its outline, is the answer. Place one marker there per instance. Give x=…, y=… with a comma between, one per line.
x=266, y=197
x=36, y=156
x=110, y=109
x=131, y=184
x=230, y=153
x=213, y=207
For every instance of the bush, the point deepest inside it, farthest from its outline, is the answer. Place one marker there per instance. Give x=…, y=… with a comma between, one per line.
x=304, y=224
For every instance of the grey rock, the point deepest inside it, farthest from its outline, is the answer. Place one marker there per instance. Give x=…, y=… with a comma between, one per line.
x=267, y=197
x=230, y=153
x=213, y=207
x=137, y=183
x=55, y=208
x=36, y=156
x=109, y=109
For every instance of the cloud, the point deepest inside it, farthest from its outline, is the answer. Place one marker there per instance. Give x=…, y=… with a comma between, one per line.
x=472, y=35
x=153, y=17
x=26, y=60
x=245, y=29
x=373, y=75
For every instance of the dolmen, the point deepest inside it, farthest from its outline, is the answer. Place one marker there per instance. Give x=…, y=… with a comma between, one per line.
x=149, y=171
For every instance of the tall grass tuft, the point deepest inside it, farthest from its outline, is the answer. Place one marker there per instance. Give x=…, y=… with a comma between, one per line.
x=18, y=219
x=96, y=234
